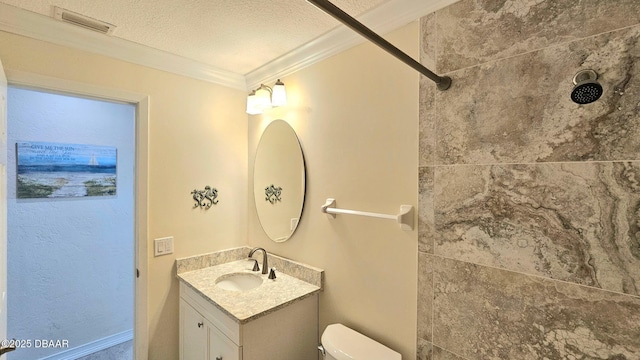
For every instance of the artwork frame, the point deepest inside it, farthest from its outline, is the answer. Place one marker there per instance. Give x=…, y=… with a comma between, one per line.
x=62, y=170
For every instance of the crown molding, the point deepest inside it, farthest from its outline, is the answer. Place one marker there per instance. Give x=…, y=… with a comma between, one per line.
x=382, y=19
x=26, y=23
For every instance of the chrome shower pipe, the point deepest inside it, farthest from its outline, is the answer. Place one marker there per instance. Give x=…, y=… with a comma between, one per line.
x=442, y=82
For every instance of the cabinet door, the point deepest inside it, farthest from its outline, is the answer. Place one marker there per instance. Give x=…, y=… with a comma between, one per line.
x=193, y=334
x=220, y=347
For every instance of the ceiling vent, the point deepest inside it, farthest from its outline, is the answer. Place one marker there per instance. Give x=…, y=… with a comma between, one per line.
x=86, y=22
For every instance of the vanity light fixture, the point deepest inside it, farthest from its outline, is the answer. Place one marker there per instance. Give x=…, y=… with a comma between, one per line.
x=251, y=104
x=265, y=97
x=279, y=97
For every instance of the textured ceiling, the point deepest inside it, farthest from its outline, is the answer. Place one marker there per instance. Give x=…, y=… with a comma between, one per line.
x=233, y=35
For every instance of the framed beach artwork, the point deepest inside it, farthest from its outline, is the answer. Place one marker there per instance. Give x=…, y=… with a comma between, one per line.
x=53, y=170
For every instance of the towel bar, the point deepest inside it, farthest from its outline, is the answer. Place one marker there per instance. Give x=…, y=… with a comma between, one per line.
x=404, y=218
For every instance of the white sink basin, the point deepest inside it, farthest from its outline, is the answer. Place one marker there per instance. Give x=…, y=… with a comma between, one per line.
x=238, y=281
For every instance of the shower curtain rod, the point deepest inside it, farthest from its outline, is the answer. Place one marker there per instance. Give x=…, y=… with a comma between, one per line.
x=442, y=82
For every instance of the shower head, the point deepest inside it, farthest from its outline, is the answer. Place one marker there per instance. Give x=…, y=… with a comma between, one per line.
x=587, y=89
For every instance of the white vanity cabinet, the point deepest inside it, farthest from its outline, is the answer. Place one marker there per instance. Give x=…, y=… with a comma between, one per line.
x=200, y=339
x=206, y=332
x=193, y=334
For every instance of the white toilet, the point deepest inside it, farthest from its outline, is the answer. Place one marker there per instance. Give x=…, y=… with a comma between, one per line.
x=341, y=343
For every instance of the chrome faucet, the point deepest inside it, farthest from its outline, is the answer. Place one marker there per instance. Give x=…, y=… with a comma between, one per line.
x=265, y=266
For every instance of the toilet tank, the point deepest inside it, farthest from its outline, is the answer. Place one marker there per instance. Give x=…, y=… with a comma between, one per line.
x=343, y=343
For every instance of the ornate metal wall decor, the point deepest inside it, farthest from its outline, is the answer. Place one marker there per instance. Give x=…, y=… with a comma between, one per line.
x=272, y=194
x=205, y=198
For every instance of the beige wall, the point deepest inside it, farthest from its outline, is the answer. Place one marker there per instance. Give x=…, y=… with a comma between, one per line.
x=356, y=115
x=197, y=137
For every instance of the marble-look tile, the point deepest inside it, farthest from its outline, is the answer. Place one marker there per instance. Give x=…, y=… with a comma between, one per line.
x=472, y=32
x=487, y=313
x=425, y=296
x=427, y=105
x=425, y=350
x=428, y=41
x=427, y=123
x=441, y=354
x=519, y=110
x=575, y=222
x=426, y=232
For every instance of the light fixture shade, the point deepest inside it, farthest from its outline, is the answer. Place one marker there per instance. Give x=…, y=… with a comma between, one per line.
x=252, y=109
x=279, y=96
x=263, y=98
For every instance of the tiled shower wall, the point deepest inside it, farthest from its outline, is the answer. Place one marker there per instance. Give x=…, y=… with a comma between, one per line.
x=529, y=203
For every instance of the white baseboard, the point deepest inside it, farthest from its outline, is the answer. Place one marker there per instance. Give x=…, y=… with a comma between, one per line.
x=92, y=347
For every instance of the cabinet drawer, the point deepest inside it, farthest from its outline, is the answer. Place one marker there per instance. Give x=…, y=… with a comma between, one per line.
x=220, y=320
x=220, y=347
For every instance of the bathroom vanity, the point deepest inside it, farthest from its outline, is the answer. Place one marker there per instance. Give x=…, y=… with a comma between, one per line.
x=228, y=311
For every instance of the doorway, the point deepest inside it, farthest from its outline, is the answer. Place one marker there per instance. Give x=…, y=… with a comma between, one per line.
x=71, y=254
x=30, y=80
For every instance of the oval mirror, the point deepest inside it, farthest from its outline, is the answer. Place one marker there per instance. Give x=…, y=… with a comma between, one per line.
x=279, y=181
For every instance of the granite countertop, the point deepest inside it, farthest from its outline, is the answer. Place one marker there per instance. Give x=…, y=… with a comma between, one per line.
x=244, y=306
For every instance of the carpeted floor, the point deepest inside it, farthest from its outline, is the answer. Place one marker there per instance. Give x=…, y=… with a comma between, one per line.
x=122, y=351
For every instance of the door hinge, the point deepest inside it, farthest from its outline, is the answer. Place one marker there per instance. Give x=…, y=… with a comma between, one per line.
x=137, y=273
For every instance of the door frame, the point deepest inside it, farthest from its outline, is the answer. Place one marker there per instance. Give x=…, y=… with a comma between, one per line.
x=67, y=87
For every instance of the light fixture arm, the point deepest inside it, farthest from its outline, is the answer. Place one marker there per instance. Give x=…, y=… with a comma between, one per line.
x=257, y=100
x=263, y=86
x=442, y=82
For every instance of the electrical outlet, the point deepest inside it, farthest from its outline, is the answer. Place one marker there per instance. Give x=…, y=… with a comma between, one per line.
x=163, y=246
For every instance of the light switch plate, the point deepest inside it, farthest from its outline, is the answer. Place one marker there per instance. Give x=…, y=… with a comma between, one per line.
x=163, y=246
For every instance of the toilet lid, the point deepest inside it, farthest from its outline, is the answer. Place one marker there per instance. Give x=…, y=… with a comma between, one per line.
x=344, y=343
